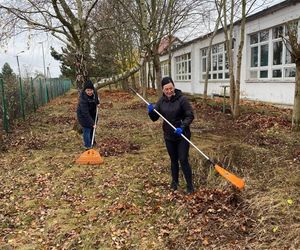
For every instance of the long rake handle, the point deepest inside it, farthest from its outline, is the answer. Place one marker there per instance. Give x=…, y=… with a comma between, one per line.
x=173, y=126
x=238, y=182
x=94, y=130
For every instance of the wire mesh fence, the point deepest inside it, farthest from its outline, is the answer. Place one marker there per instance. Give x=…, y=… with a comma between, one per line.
x=21, y=97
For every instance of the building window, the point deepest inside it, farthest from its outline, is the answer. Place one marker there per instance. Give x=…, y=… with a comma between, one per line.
x=269, y=56
x=219, y=62
x=164, y=65
x=183, y=69
x=259, y=54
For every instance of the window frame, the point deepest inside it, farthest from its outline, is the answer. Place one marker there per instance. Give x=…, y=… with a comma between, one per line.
x=164, y=66
x=219, y=72
x=183, y=67
x=274, y=71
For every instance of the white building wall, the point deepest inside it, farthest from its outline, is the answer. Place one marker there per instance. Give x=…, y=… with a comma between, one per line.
x=272, y=90
x=267, y=90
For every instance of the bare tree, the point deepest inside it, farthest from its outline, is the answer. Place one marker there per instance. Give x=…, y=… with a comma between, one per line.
x=72, y=22
x=293, y=45
x=208, y=65
x=231, y=11
x=154, y=20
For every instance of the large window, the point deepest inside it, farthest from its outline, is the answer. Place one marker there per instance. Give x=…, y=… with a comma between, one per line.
x=183, y=67
x=218, y=68
x=164, y=65
x=269, y=56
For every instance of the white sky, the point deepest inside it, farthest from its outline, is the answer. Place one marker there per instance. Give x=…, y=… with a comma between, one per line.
x=32, y=59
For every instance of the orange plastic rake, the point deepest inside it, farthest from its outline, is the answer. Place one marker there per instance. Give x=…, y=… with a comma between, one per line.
x=91, y=156
x=236, y=181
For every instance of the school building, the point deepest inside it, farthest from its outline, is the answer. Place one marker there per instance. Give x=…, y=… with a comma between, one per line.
x=268, y=71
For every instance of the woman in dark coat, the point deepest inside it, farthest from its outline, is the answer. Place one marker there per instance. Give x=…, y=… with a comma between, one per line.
x=177, y=110
x=86, y=112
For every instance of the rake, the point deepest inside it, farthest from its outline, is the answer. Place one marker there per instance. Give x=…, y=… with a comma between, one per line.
x=91, y=156
x=236, y=181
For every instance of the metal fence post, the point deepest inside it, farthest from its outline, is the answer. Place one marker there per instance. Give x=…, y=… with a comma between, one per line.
x=32, y=94
x=21, y=98
x=46, y=91
x=41, y=93
x=4, y=109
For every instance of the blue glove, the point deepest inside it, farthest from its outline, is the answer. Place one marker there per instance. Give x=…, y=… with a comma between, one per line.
x=150, y=108
x=178, y=131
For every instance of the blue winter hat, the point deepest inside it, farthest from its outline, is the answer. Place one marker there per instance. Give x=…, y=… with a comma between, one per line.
x=88, y=85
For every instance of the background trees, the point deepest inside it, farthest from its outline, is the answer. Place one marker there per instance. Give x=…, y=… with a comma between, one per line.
x=72, y=22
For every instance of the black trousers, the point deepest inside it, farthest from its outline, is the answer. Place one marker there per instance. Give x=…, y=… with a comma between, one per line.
x=179, y=152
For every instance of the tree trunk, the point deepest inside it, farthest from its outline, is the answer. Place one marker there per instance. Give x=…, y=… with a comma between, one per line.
x=115, y=79
x=133, y=81
x=156, y=63
x=236, y=110
x=81, y=70
x=296, y=109
x=209, y=59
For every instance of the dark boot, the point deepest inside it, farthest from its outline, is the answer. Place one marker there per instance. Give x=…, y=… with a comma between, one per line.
x=187, y=172
x=174, y=185
x=190, y=189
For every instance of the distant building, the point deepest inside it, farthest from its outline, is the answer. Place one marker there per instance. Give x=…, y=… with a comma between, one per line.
x=268, y=71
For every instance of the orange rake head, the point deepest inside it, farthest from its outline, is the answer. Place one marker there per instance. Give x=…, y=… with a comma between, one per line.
x=236, y=181
x=90, y=157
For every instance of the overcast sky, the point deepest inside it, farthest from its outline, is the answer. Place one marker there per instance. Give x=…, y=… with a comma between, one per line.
x=31, y=60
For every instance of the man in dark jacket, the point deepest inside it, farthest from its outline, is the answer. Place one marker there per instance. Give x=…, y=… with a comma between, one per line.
x=86, y=112
x=177, y=110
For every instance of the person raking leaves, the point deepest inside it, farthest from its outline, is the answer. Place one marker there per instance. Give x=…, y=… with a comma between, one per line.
x=175, y=107
x=86, y=112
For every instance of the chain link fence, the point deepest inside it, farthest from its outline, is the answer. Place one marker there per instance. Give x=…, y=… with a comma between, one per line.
x=21, y=97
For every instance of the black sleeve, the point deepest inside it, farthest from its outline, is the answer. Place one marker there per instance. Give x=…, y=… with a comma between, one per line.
x=153, y=115
x=188, y=112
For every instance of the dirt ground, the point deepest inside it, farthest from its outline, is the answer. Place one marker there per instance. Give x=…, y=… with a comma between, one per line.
x=49, y=202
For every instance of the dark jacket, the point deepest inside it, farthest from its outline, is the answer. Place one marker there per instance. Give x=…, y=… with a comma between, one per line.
x=86, y=110
x=178, y=111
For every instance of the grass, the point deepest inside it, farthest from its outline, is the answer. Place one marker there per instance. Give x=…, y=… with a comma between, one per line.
x=49, y=202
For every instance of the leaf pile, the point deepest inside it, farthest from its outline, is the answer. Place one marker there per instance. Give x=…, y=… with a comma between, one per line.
x=115, y=146
x=123, y=125
x=212, y=210
x=120, y=96
x=260, y=122
x=135, y=105
x=67, y=120
x=106, y=105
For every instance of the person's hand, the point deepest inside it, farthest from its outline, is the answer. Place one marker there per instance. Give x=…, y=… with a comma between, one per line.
x=150, y=108
x=178, y=131
x=94, y=126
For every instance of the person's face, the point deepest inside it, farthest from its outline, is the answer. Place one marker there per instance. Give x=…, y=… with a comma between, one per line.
x=89, y=92
x=169, y=90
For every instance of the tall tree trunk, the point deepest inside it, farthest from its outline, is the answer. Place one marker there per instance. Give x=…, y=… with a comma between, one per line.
x=81, y=70
x=133, y=81
x=156, y=63
x=228, y=42
x=296, y=109
x=209, y=59
x=236, y=109
x=143, y=79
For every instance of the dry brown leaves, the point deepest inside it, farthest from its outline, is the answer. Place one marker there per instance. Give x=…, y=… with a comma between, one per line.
x=114, y=146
